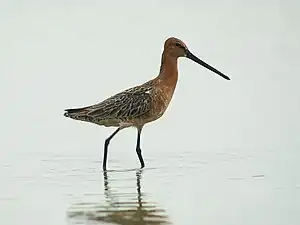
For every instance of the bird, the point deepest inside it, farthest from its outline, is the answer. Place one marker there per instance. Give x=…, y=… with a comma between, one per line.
x=139, y=105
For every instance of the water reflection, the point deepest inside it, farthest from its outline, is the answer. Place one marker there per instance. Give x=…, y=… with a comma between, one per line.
x=120, y=207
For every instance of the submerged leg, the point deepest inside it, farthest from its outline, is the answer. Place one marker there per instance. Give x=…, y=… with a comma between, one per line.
x=138, y=148
x=106, y=147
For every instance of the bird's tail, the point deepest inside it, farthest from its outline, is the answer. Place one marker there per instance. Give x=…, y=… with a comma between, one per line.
x=77, y=113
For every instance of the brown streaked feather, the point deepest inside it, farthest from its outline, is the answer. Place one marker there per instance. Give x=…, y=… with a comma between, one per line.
x=125, y=106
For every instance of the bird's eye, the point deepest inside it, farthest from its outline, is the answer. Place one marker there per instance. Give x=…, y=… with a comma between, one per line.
x=180, y=46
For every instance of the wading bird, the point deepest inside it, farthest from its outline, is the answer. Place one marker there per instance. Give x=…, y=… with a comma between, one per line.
x=142, y=104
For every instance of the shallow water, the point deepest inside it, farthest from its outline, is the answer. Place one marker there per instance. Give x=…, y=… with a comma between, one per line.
x=127, y=204
x=196, y=187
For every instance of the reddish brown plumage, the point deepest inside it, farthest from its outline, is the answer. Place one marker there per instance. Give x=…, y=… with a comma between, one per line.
x=141, y=104
x=159, y=91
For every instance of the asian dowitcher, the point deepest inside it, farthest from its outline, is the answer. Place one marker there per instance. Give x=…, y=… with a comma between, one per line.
x=141, y=104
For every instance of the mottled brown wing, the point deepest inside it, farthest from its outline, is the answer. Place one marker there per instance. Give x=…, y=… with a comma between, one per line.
x=125, y=105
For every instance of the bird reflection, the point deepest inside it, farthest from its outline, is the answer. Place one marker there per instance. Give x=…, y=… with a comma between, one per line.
x=120, y=207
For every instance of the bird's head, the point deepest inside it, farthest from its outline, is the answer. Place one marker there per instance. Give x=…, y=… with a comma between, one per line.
x=174, y=47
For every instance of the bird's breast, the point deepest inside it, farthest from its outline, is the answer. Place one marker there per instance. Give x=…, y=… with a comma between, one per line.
x=161, y=99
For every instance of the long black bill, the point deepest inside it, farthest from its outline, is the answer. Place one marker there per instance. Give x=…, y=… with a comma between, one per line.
x=199, y=61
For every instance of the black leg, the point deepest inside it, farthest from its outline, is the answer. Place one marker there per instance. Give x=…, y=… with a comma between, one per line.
x=138, y=148
x=106, y=147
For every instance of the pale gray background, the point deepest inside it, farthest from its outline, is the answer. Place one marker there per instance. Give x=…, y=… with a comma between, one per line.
x=207, y=150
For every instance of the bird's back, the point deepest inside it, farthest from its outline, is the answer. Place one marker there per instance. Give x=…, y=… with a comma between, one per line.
x=130, y=107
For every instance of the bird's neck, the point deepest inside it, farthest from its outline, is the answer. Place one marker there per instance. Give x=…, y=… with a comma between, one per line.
x=168, y=74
